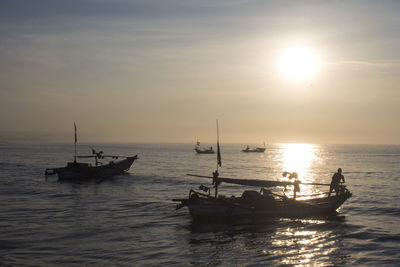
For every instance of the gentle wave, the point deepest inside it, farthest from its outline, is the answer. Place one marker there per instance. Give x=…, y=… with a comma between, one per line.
x=131, y=219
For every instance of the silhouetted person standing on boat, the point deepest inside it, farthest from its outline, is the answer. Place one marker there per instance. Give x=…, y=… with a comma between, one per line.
x=336, y=178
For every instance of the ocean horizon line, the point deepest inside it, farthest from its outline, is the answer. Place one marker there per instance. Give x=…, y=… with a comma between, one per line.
x=49, y=142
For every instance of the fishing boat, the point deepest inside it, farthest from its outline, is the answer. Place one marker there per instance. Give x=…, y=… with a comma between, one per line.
x=200, y=150
x=81, y=170
x=256, y=149
x=259, y=204
x=248, y=149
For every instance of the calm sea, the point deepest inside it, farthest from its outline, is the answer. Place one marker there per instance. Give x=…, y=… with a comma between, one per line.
x=130, y=219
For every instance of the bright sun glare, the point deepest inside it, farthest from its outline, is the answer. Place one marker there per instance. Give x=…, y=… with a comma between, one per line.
x=298, y=63
x=298, y=157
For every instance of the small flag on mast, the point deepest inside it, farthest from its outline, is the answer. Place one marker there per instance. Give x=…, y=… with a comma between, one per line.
x=219, y=155
x=219, y=162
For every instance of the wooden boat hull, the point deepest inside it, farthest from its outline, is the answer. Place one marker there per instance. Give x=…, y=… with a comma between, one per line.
x=204, y=151
x=255, y=150
x=203, y=207
x=83, y=171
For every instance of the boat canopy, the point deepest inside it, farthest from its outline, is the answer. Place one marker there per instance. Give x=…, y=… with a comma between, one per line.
x=248, y=182
x=101, y=157
x=252, y=182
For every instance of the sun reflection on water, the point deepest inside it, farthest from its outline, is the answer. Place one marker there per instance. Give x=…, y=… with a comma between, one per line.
x=298, y=158
x=300, y=246
x=301, y=158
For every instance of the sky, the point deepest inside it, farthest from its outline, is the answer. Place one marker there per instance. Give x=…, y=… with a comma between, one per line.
x=165, y=70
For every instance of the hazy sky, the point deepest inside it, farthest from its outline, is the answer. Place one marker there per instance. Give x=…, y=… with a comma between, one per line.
x=164, y=70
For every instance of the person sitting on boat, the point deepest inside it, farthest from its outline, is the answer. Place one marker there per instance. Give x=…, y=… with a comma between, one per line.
x=336, y=179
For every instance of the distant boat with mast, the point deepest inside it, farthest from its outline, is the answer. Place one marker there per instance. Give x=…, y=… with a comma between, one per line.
x=248, y=149
x=259, y=205
x=200, y=150
x=79, y=170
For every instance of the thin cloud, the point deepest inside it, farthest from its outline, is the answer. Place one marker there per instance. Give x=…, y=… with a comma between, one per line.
x=383, y=66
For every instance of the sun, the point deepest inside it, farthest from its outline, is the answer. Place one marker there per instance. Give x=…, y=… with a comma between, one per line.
x=298, y=63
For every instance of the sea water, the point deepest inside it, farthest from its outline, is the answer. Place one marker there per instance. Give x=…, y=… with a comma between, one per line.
x=131, y=219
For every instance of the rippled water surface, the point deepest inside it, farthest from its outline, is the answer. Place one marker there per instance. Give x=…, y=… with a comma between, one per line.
x=131, y=220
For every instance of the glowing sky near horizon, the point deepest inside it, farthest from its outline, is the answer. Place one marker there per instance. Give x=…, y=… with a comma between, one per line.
x=163, y=71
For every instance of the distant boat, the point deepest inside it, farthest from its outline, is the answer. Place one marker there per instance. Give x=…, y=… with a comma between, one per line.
x=248, y=149
x=200, y=150
x=79, y=170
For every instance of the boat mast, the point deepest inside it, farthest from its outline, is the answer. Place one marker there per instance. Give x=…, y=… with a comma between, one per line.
x=219, y=163
x=76, y=139
x=218, y=149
